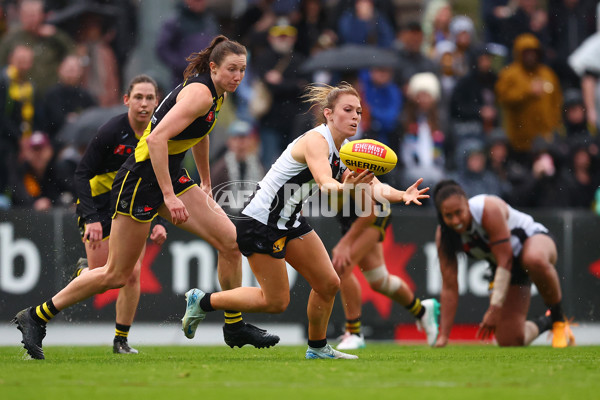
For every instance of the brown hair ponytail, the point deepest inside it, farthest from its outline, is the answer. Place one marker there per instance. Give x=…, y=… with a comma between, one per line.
x=219, y=48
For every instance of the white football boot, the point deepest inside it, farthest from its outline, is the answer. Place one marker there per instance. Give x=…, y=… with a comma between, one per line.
x=429, y=322
x=351, y=342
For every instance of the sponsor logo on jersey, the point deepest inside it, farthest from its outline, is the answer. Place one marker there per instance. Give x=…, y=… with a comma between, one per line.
x=369, y=148
x=123, y=149
x=210, y=117
x=279, y=244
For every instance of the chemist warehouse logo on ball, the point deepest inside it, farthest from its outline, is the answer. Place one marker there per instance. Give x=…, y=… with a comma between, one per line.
x=233, y=196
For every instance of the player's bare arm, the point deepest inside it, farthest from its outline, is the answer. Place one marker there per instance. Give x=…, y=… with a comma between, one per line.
x=193, y=101
x=449, y=294
x=494, y=221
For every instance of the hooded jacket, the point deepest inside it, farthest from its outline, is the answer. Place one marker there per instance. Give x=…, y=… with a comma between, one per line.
x=526, y=115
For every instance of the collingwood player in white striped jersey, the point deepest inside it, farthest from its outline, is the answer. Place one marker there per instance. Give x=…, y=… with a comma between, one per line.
x=519, y=251
x=274, y=231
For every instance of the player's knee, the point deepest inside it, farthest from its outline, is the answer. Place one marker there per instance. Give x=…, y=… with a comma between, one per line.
x=331, y=285
x=536, y=261
x=381, y=281
x=133, y=280
x=278, y=305
x=228, y=249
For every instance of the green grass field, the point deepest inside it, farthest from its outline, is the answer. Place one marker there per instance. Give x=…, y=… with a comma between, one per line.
x=384, y=371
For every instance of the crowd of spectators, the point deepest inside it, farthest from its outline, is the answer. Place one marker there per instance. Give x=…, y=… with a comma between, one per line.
x=503, y=101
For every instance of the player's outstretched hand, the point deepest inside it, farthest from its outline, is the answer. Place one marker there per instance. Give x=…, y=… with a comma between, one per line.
x=365, y=177
x=413, y=194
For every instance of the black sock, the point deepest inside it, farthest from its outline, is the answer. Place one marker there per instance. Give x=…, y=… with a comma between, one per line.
x=121, y=331
x=44, y=312
x=556, y=312
x=205, y=303
x=233, y=319
x=416, y=308
x=543, y=323
x=317, y=344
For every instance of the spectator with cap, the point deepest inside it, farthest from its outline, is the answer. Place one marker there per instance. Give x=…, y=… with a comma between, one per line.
x=238, y=169
x=462, y=33
x=41, y=182
x=280, y=87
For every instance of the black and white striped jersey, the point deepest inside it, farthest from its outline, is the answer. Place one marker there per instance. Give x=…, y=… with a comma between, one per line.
x=476, y=240
x=288, y=184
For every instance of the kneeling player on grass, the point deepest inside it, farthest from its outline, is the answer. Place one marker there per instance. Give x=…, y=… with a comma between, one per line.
x=519, y=251
x=274, y=231
x=361, y=244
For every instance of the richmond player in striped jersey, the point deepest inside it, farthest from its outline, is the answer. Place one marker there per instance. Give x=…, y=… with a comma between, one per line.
x=152, y=181
x=104, y=155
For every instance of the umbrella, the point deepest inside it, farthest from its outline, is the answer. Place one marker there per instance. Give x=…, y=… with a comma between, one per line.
x=351, y=57
x=83, y=129
x=70, y=16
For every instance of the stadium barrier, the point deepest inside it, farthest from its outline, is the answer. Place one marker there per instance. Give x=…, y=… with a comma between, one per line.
x=38, y=252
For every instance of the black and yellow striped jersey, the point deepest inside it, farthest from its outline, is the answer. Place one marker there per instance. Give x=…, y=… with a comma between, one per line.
x=106, y=152
x=139, y=163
